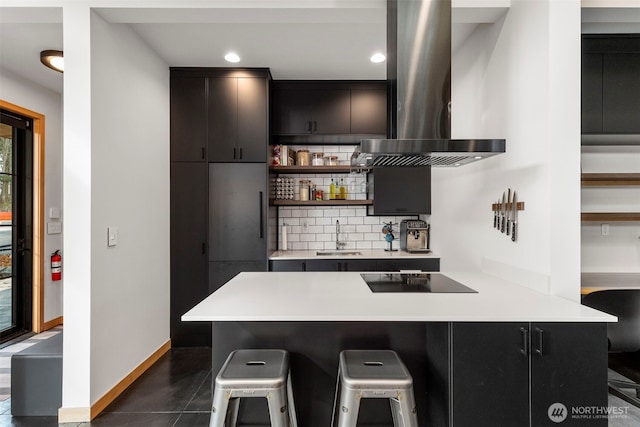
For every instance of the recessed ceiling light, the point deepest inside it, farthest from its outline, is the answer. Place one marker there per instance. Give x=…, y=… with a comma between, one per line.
x=377, y=58
x=53, y=59
x=232, y=57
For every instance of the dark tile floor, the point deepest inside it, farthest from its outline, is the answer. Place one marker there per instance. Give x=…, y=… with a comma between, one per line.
x=175, y=392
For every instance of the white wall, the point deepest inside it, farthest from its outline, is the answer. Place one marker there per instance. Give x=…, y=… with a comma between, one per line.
x=130, y=191
x=116, y=175
x=26, y=94
x=506, y=79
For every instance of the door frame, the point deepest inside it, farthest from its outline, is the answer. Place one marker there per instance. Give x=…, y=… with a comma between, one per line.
x=37, y=322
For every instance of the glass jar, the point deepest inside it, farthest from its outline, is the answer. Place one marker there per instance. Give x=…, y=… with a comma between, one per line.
x=331, y=160
x=304, y=190
x=317, y=159
x=303, y=158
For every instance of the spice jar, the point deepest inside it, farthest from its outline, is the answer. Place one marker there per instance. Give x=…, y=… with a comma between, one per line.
x=331, y=160
x=317, y=159
x=303, y=158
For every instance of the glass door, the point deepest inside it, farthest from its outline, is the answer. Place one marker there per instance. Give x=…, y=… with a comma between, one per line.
x=16, y=218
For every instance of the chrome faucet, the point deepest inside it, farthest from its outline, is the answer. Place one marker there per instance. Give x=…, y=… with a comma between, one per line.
x=338, y=242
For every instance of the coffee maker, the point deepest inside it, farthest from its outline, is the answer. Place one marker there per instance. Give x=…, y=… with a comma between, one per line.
x=414, y=235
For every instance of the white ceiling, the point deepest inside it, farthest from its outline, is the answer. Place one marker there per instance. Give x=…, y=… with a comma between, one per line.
x=301, y=39
x=305, y=43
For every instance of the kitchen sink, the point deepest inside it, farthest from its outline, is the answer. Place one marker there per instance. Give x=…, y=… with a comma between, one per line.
x=332, y=253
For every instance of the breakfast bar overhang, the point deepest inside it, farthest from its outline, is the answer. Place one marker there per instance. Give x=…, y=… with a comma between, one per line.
x=501, y=355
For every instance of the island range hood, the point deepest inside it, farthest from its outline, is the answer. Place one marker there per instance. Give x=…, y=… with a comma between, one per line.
x=419, y=93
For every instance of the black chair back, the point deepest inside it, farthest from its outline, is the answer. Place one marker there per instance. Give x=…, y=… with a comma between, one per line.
x=624, y=336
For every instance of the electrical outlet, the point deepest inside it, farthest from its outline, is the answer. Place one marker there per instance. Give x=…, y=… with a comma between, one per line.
x=604, y=229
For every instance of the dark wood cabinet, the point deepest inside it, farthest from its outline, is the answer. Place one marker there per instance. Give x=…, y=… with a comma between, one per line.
x=238, y=117
x=237, y=212
x=610, y=84
x=341, y=265
x=402, y=190
x=328, y=108
x=369, y=111
x=512, y=373
x=188, y=122
x=424, y=264
x=188, y=231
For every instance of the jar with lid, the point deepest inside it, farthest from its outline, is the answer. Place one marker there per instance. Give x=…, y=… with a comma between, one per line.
x=304, y=190
x=317, y=159
x=331, y=160
x=303, y=158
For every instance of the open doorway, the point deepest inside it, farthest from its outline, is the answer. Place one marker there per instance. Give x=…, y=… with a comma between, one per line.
x=21, y=296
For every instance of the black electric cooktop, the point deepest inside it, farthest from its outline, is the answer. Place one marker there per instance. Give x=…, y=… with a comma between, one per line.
x=414, y=282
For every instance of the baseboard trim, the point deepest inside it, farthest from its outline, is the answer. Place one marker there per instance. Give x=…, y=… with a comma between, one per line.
x=52, y=323
x=112, y=394
x=82, y=415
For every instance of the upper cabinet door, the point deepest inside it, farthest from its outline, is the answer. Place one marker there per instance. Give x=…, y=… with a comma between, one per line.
x=369, y=111
x=291, y=112
x=188, y=130
x=253, y=116
x=330, y=112
x=223, y=119
x=238, y=114
x=621, y=93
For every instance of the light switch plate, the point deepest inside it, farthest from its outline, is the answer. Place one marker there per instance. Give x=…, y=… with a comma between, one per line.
x=54, y=227
x=112, y=236
x=54, y=213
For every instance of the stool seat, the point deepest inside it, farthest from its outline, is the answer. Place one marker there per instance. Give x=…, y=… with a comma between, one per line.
x=254, y=373
x=373, y=374
x=255, y=368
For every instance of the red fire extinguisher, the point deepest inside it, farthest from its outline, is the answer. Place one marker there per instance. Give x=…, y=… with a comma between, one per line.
x=56, y=266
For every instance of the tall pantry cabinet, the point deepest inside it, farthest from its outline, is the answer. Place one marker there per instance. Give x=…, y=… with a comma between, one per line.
x=219, y=141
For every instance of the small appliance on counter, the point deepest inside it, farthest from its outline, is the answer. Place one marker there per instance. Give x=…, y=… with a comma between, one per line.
x=414, y=235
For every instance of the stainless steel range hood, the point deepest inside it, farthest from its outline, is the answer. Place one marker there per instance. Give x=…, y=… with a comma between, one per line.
x=419, y=86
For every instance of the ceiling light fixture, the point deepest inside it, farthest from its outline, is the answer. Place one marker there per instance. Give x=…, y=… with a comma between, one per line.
x=377, y=58
x=53, y=59
x=232, y=57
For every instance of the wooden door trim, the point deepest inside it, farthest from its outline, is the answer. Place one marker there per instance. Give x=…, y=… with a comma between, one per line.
x=37, y=320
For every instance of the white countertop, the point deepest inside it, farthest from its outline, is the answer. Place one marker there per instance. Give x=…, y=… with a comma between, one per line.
x=364, y=254
x=344, y=296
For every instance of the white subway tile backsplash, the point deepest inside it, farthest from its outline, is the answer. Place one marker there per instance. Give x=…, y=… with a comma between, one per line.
x=323, y=220
x=363, y=228
x=307, y=237
x=371, y=220
x=355, y=220
x=316, y=229
x=299, y=246
x=355, y=237
x=363, y=245
x=372, y=236
x=314, y=246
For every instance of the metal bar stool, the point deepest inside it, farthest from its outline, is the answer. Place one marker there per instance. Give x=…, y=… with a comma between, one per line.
x=373, y=374
x=254, y=373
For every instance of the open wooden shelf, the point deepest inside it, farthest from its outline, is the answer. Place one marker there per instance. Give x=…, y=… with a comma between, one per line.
x=610, y=179
x=320, y=202
x=610, y=216
x=318, y=169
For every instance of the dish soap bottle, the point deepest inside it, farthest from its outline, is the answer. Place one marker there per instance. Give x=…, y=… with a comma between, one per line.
x=343, y=190
x=332, y=190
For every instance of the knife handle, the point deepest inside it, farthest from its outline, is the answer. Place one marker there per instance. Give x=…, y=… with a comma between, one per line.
x=502, y=224
x=508, y=226
x=513, y=231
x=495, y=219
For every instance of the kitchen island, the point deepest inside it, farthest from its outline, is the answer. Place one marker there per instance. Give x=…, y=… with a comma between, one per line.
x=501, y=355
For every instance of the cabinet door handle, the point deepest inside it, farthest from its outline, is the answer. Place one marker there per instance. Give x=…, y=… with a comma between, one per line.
x=204, y=248
x=261, y=216
x=309, y=126
x=525, y=341
x=234, y=154
x=540, y=348
x=203, y=153
x=240, y=153
x=315, y=126
x=304, y=265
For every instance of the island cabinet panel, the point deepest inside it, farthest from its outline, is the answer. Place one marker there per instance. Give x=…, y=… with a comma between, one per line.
x=188, y=233
x=511, y=374
x=423, y=264
x=238, y=117
x=188, y=130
